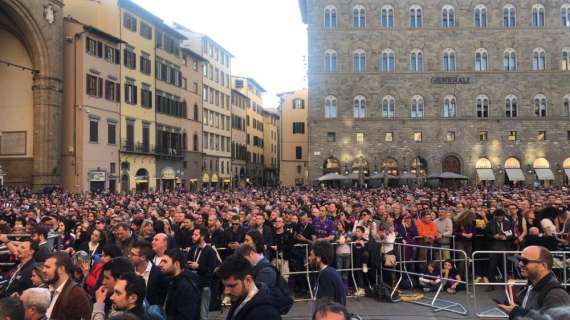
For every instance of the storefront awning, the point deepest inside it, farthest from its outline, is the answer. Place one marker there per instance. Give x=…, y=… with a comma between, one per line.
x=544, y=174
x=515, y=174
x=486, y=174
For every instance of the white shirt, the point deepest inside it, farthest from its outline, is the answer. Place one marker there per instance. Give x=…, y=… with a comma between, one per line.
x=54, y=296
x=146, y=273
x=156, y=260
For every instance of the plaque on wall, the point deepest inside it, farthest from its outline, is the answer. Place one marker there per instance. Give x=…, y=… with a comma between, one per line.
x=13, y=143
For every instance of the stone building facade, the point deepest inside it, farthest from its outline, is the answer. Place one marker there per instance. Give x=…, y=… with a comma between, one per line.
x=478, y=88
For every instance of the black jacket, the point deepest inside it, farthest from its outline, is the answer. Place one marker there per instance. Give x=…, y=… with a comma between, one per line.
x=183, y=298
x=546, y=294
x=260, y=307
x=157, y=286
x=207, y=262
x=43, y=253
x=22, y=280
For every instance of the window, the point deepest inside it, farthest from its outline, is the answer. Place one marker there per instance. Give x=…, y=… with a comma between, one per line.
x=541, y=136
x=130, y=22
x=388, y=61
x=481, y=62
x=416, y=61
x=298, y=128
x=359, y=17
x=509, y=16
x=112, y=91
x=145, y=64
x=146, y=31
x=130, y=58
x=538, y=14
x=480, y=16
x=512, y=136
x=330, y=107
x=448, y=17
x=91, y=46
x=449, y=107
x=568, y=135
x=146, y=97
x=387, y=16
x=511, y=107
x=565, y=15
x=360, y=137
x=130, y=93
x=417, y=136
x=330, y=61
x=450, y=136
x=111, y=133
x=331, y=136
x=565, y=63
x=389, y=136
x=93, y=131
x=298, y=104
x=482, y=107
x=298, y=152
x=538, y=59
x=92, y=85
x=449, y=60
x=330, y=17
x=483, y=136
x=540, y=106
x=112, y=55
x=416, y=20
x=510, y=60
x=567, y=105
x=359, y=61
x=359, y=106
x=417, y=107
x=389, y=107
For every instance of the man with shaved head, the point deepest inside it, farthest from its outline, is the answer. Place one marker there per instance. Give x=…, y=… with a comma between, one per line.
x=159, y=246
x=543, y=291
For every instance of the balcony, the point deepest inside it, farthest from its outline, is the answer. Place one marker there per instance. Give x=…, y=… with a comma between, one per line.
x=168, y=153
x=139, y=148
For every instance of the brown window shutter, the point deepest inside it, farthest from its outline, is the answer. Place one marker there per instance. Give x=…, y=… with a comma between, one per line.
x=117, y=92
x=100, y=87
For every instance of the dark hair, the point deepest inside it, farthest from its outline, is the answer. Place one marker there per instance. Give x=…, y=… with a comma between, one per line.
x=11, y=308
x=62, y=259
x=123, y=315
x=177, y=256
x=257, y=238
x=324, y=250
x=202, y=231
x=41, y=230
x=112, y=250
x=325, y=307
x=361, y=228
x=244, y=250
x=34, y=245
x=135, y=285
x=545, y=256
x=236, y=266
x=123, y=226
x=119, y=266
x=144, y=247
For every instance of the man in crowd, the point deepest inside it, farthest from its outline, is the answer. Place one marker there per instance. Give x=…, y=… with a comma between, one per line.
x=111, y=272
x=36, y=302
x=234, y=234
x=155, y=282
x=249, y=302
x=183, y=297
x=40, y=235
x=128, y=295
x=501, y=239
x=325, y=227
x=330, y=311
x=544, y=291
x=125, y=238
x=11, y=309
x=329, y=284
x=202, y=259
x=21, y=279
x=262, y=270
x=159, y=246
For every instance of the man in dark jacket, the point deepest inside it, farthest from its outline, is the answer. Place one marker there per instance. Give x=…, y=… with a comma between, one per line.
x=543, y=292
x=155, y=281
x=501, y=236
x=329, y=284
x=249, y=301
x=183, y=297
x=21, y=279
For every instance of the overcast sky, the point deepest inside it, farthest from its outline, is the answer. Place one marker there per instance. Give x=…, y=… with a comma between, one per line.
x=267, y=37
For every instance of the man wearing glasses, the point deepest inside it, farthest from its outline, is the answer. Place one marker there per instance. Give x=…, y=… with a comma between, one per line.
x=543, y=291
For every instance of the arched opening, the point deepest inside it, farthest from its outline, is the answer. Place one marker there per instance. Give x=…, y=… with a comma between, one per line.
x=360, y=164
x=390, y=167
x=331, y=165
x=566, y=168
x=484, y=169
x=418, y=167
x=542, y=170
x=451, y=164
x=168, y=178
x=513, y=171
x=142, y=180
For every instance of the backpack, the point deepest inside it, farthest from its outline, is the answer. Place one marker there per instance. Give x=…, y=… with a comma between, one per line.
x=280, y=291
x=383, y=293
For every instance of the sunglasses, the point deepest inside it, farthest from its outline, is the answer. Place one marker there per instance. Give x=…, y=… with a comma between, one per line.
x=525, y=261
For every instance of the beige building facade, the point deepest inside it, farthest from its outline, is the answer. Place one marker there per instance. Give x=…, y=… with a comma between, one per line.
x=240, y=102
x=294, y=138
x=271, y=133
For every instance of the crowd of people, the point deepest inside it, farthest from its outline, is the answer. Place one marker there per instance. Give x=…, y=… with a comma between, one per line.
x=179, y=255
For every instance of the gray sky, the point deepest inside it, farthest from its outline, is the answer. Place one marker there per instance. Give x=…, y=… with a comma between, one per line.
x=267, y=37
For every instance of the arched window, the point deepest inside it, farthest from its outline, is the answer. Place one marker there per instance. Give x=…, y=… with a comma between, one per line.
x=196, y=114
x=540, y=105
x=330, y=17
x=510, y=60
x=565, y=15
x=449, y=60
x=416, y=17
x=388, y=107
x=565, y=62
x=509, y=16
x=449, y=107
x=511, y=106
x=417, y=107
x=417, y=61
x=538, y=14
x=447, y=16
x=483, y=163
x=481, y=60
x=387, y=16
x=567, y=105
x=330, y=107
x=359, y=61
x=195, y=146
x=359, y=17
x=480, y=16
x=330, y=61
x=482, y=107
x=359, y=107
x=538, y=59
x=388, y=61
